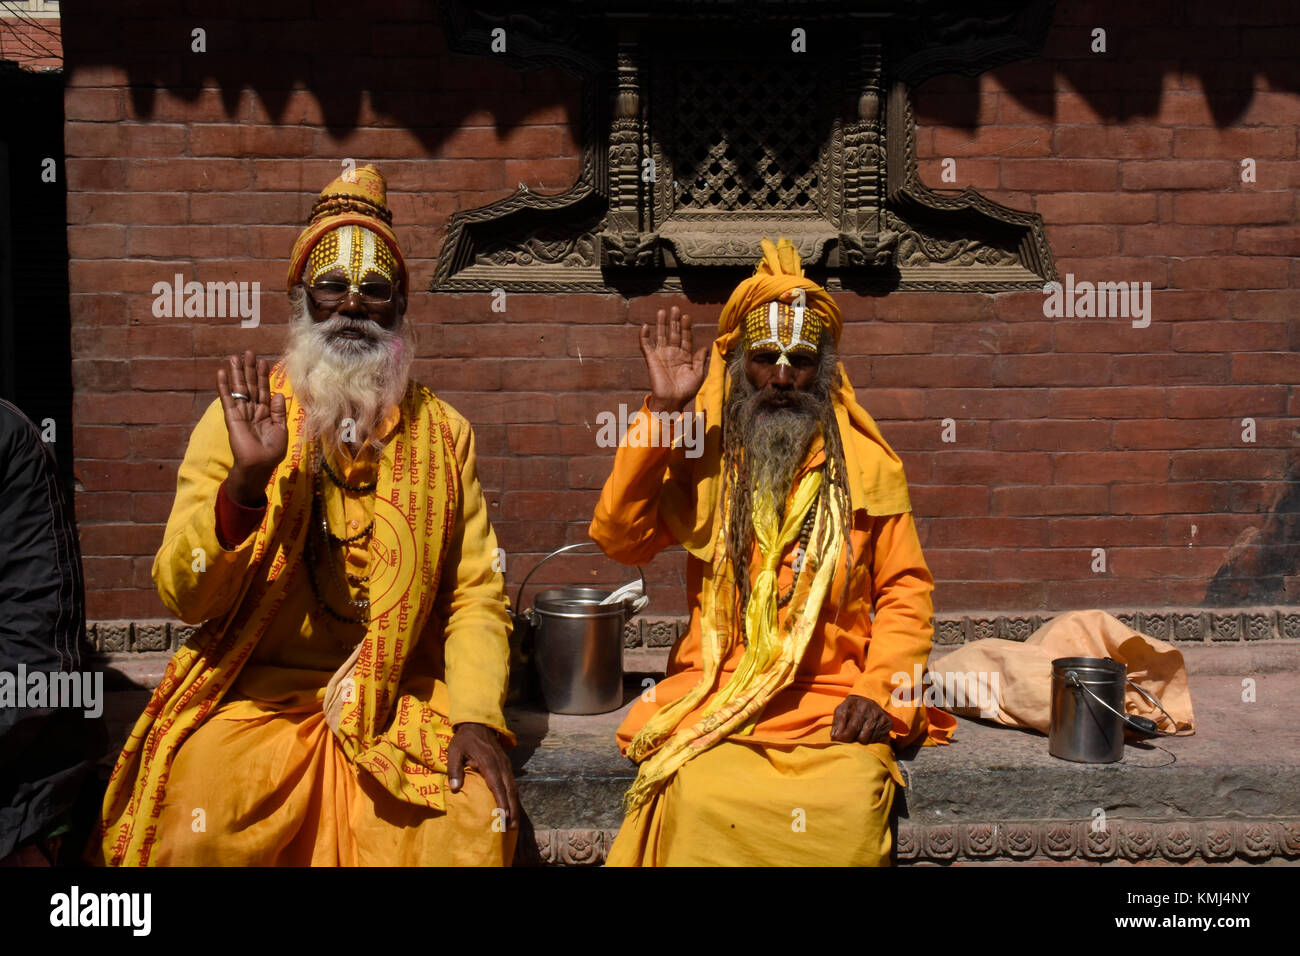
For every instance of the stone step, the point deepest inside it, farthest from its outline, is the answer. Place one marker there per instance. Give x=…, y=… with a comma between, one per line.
x=1226, y=794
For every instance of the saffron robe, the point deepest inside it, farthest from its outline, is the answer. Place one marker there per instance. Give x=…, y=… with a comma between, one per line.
x=850, y=653
x=260, y=778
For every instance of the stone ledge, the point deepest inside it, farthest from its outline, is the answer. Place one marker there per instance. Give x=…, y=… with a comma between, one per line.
x=1032, y=841
x=1190, y=625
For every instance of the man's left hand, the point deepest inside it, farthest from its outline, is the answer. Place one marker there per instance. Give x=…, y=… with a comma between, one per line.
x=477, y=746
x=860, y=720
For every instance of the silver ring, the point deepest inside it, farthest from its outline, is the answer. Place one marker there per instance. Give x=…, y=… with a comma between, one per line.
x=239, y=395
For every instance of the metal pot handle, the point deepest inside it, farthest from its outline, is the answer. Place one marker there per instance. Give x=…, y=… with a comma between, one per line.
x=1072, y=678
x=568, y=547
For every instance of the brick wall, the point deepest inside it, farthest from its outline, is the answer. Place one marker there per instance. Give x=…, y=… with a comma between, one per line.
x=1071, y=434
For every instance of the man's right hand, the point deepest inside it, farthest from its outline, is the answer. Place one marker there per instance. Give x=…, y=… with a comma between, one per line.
x=676, y=373
x=258, y=430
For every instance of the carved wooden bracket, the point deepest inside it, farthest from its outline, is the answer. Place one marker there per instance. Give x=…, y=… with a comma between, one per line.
x=706, y=126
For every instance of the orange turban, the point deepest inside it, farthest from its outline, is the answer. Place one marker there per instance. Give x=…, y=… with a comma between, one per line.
x=874, y=471
x=357, y=197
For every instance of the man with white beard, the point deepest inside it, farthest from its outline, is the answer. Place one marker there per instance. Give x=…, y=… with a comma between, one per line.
x=330, y=535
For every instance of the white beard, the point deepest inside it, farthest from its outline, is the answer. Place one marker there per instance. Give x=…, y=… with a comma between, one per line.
x=337, y=379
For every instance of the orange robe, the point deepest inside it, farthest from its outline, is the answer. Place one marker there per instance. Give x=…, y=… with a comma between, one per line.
x=850, y=653
x=262, y=780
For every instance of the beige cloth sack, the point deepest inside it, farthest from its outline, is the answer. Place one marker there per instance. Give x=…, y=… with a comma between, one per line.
x=1016, y=678
x=341, y=689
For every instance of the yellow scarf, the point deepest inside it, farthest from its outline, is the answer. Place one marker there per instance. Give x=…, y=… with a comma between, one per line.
x=399, y=740
x=769, y=663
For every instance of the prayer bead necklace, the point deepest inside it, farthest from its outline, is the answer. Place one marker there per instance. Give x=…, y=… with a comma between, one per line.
x=801, y=550
x=329, y=538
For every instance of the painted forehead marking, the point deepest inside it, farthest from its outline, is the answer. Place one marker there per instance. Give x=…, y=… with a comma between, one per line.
x=355, y=250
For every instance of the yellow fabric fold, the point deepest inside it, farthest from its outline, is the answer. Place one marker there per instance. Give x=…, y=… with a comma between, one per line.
x=770, y=660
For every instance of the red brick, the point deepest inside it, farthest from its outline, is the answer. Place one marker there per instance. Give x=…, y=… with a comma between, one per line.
x=927, y=436
x=159, y=442
x=134, y=408
x=993, y=141
x=193, y=106
x=1269, y=241
x=134, y=208
x=1112, y=142
x=1235, y=143
x=1234, y=208
x=1180, y=498
x=980, y=403
x=101, y=442
x=538, y=439
x=1107, y=208
x=90, y=374
x=917, y=466
x=199, y=242
x=87, y=175
x=1027, y=109
x=1046, y=564
x=1257, y=496
x=983, y=532
x=1166, y=239
x=588, y=472
x=1162, y=433
x=189, y=175
x=881, y=339
x=1079, y=241
x=991, y=468
x=1106, y=532
x=934, y=307
x=966, y=371
x=1108, y=467
x=242, y=141
x=103, y=539
x=954, y=596
x=1110, y=334
x=502, y=408
x=1210, y=529
x=941, y=500
x=960, y=564
x=1061, y=176
x=1104, y=592
x=1175, y=369
x=1265, y=304
x=1051, y=435
x=487, y=143
x=548, y=176
x=102, y=506
x=1229, y=336
x=1248, y=462
x=1054, y=500
x=104, y=573
x=97, y=242
x=224, y=209
x=1052, y=370
x=964, y=173
x=887, y=403
x=1211, y=174
x=1266, y=368
x=971, y=339
x=96, y=105
x=1230, y=272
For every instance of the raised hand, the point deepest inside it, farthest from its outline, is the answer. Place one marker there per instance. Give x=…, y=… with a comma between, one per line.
x=676, y=371
x=259, y=434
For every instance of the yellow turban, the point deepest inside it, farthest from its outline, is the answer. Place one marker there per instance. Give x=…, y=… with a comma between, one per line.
x=874, y=471
x=358, y=197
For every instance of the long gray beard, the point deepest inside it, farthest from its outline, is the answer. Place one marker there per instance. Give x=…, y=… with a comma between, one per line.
x=775, y=439
x=341, y=379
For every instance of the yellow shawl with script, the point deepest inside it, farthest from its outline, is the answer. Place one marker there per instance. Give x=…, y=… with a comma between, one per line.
x=391, y=736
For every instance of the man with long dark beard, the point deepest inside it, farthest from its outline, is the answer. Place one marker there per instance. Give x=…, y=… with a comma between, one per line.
x=771, y=740
x=330, y=535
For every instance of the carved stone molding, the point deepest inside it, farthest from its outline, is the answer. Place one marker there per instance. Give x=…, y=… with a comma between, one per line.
x=1033, y=841
x=1183, y=625
x=703, y=130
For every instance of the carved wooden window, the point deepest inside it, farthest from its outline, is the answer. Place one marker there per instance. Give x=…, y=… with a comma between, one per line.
x=702, y=134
